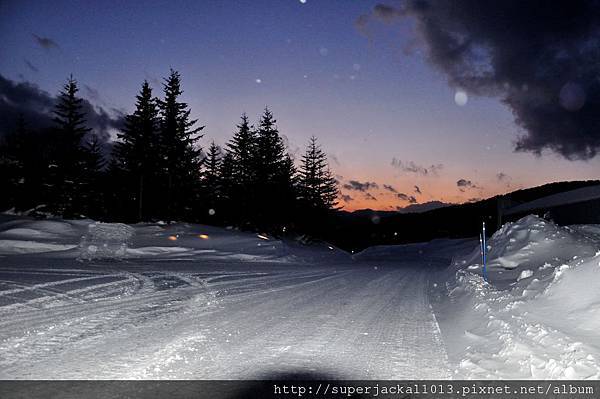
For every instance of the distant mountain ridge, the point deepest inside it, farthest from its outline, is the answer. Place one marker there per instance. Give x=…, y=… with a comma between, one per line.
x=367, y=227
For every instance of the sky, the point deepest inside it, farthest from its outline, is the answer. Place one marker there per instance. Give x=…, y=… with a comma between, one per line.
x=403, y=119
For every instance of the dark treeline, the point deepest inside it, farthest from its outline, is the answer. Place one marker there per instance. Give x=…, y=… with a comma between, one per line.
x=157, y=170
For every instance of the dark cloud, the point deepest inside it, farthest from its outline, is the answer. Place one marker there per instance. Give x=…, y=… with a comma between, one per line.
x=30, y=65
x=408, y=198
x=390, y=188
x=418, y=190
x=359, y=186
x=347, y=198
x=36, y=107
x=464, y=184
x=541, y=60
x=412, y=167
x=370, y=197
x=45, y=42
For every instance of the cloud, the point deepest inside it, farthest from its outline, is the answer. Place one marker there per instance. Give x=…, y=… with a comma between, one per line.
x=45, y=42
x=334, y=159
x=91, y=93
x=418, y=190
x=408, y=198
x=347, y=198
x=36, y=106
x=30, y=65
x=370, y=197
x=464, y=184
x=542, y=62
x=358, y=186
x=412, y=167
x=389, y=188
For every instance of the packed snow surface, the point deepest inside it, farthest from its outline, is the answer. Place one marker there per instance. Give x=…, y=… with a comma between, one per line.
x=82, y=299
x=190, y=301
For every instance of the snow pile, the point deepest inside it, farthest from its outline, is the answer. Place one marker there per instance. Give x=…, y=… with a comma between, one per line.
x=23, y=236
x=537, y=316
x=105, y=241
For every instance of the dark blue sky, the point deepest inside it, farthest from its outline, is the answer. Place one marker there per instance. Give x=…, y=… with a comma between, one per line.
x=370, y=97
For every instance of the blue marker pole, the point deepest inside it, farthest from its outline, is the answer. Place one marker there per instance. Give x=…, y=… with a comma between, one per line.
x=483, y=253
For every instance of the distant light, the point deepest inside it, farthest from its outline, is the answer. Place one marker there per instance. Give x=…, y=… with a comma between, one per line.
x=303, y=1
x=330, y=247
x=262, y=237
x=461, y=98
x=203, y=236
x=211, y=212
x=258, y=80
x=172, y=238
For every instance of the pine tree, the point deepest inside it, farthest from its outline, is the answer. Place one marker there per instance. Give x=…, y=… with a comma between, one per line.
x=274, y=176
x=229, y=200
x=212, y=178
x=317, y=186
x=182, y=158
x=12, y=168
x=242, y=148
x=93, y=167
x=69, y=155
x=137, y=153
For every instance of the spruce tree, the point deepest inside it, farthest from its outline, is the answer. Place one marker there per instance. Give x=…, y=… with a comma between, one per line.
x=137, y=153
x=317, y=186
x=242, y=148
x=212, y=179
x=66, y=177
x=229, y=200
x=274, y=177
x=92, y=179
x=182, y=157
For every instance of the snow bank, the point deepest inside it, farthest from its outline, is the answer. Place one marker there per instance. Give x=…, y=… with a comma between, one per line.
x=89, y=240
x=537, y=316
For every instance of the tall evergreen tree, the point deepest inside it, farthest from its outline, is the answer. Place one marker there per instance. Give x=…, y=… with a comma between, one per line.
x=182, y=157
x=137, y=153
x=12, y=164
x=274, y=176
x=229, y=200
x=242, y=148
x=68, y=155
x=317, y=186
x=92, y=179
x=212, y=179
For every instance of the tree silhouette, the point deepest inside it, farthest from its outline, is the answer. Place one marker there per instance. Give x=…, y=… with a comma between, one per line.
x=274, y=176
x=92, y=178
x=317, y=186
x=181, y=157
x=68, y=155
x=243, y=147
x=212, y=179
x=137, y=153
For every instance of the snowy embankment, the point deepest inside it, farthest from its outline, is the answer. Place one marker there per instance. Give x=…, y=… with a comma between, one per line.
x=90, y=240
x=538, y=316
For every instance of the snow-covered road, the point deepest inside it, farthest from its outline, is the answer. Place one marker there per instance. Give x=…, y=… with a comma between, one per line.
x=183, y=319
